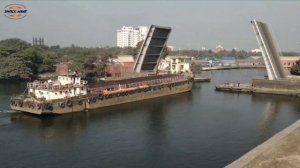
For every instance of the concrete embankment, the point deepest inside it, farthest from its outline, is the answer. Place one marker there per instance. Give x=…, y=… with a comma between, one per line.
x=219, y=68
x=198, y=79
x=235, y=87
x=281, y=150
x=282, y=87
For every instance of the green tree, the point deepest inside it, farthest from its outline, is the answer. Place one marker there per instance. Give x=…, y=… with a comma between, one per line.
x=21, y=61
x=13, y=45
x=196, y=68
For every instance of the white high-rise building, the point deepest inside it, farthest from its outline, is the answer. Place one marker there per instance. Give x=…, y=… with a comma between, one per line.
x=130, y=36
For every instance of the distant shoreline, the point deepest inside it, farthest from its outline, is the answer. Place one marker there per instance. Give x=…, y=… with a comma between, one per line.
x=235, y=67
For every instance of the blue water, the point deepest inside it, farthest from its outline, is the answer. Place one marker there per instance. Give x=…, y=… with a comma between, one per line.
x=204, y=128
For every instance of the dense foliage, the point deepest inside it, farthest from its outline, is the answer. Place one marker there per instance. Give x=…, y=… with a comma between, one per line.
x=20, y=60
x=196, y=68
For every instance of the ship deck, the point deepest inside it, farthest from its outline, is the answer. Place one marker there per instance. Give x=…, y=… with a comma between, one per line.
x=130, y=80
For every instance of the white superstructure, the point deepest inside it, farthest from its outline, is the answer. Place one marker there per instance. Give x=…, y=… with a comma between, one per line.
x=63, y=87
x=176, y=64
x=129, y=36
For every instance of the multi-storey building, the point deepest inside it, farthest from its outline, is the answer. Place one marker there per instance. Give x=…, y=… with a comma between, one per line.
x=130, y=36
x=218, y=49
x=176, y=64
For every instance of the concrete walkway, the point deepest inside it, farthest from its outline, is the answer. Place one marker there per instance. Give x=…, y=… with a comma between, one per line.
x=280, y=151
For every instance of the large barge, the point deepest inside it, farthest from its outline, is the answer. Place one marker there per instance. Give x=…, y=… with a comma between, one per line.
x=71, y=94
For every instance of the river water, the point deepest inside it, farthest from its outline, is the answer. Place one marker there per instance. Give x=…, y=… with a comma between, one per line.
x=203, y=128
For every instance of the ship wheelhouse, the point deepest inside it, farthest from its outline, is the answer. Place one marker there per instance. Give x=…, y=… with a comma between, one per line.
x=62, y=88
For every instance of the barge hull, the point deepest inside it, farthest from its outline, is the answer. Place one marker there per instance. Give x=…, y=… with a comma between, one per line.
x=94, y=101
x=140, y=96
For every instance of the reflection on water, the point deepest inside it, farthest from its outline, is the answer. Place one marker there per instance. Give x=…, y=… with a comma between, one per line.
x=269, y=116
x=48, y=129
x=70, y=127
x=274, y=106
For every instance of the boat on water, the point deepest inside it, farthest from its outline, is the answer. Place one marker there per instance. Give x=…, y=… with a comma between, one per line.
x=70, y=94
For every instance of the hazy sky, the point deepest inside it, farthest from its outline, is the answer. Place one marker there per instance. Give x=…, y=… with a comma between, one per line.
x=195, y=24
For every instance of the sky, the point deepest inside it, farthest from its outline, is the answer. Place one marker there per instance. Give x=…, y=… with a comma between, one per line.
x=195, y=24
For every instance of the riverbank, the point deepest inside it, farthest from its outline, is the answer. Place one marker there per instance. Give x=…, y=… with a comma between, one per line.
x=281, y=150
x=289, y=87
x=231, y=67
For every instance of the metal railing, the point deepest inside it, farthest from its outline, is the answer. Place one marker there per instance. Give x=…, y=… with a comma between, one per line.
x=54, y=85
x=154, y=82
